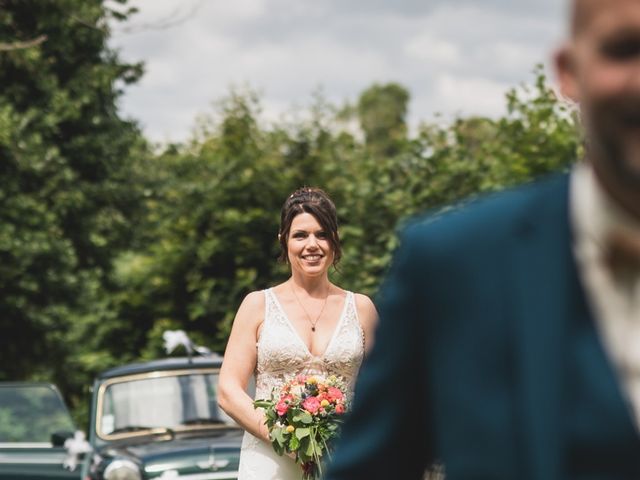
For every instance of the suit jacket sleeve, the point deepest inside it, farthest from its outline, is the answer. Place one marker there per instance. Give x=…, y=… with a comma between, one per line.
x=384, y=435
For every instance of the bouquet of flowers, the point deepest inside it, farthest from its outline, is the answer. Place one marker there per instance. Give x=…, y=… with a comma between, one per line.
x=303, y=417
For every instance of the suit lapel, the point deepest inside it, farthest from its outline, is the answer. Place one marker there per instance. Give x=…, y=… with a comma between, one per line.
x=547, y=294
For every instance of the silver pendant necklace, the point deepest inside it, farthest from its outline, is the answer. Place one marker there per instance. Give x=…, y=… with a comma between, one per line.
x=312, y=322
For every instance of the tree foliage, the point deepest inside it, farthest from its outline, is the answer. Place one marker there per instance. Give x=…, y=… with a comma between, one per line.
x=382, y=113
x=67, y=195
x=105, y=243
x=215, y=216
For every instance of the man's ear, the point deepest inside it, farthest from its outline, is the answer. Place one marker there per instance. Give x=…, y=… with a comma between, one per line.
x=565, y=66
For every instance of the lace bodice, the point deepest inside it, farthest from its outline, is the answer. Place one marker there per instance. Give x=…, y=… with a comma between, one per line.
x=282, y=354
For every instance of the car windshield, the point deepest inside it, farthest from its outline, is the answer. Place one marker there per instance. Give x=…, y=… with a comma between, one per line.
x=31, y=413
x=170, y=400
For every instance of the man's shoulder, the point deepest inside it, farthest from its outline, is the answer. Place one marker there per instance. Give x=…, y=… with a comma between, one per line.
x=489, y=215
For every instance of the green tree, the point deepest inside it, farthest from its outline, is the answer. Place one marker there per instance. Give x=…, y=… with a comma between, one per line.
x=210, y=232
x=67, y=194
x=105, y=244
x=444, y=165
x=382, y=112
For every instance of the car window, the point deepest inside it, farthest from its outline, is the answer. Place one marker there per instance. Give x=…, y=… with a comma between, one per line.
x=31, y=413
x=169, y=400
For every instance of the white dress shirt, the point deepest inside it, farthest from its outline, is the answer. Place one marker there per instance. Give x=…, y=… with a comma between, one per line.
x=614, y=299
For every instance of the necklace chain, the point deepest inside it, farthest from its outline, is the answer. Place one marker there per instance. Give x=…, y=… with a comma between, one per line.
x=312, y=322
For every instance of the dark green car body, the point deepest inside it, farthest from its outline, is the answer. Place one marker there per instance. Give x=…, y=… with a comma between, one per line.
x=160, y=419
x=34, y=422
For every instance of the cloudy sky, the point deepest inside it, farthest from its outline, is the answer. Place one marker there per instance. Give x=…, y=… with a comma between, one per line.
x=456, y=57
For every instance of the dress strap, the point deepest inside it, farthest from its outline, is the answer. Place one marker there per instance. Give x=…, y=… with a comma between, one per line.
x=350, y=310
x=268, y=312
x=272, y=309
x=268, y=302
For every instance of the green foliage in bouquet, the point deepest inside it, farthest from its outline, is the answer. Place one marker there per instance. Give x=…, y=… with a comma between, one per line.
x=303, y=418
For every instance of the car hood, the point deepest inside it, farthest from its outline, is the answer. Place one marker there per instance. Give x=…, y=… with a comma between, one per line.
x=218, y=453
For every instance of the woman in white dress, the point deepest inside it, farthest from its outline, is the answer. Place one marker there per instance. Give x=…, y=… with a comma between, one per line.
x=305, y=325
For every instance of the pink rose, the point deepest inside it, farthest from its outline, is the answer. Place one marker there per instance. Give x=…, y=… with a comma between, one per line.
x=340, y=409
x=334, y=394
x=282, y=408
x=311, y=404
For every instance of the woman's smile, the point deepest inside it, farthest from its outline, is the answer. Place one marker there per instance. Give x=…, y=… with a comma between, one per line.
x=313, y=257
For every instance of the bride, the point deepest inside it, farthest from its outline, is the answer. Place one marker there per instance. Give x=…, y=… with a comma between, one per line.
x=305, y=325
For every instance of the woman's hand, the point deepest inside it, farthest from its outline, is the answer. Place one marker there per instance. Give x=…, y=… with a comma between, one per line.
x=264, y=432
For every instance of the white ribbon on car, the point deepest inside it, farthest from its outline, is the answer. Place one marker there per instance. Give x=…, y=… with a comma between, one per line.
x=175, y=338
x=75, y=446
x=170, y=475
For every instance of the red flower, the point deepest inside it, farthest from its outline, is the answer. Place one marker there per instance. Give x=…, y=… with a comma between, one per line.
x=334, y=394
x=311, y=404
x=340, y=409
x=282, y=408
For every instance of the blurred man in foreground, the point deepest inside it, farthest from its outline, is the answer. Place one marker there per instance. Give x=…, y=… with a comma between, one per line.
x=509, y=337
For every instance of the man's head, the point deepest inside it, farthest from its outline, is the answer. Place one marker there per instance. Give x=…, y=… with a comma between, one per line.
x=599, y=68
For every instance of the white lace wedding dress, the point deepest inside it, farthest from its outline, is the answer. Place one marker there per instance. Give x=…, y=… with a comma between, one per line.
x=281, y=355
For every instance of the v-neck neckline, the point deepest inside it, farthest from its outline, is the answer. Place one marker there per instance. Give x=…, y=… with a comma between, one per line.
x=297, y=334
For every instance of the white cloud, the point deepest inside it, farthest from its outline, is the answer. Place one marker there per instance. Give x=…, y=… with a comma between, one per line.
x=475, y=96
x=454, y=58
x=428, y=48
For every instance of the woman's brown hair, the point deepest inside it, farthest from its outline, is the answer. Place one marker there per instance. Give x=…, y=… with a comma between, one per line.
x=317, y=203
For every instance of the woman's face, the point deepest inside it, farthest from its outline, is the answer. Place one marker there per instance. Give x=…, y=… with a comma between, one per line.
x=308, y=246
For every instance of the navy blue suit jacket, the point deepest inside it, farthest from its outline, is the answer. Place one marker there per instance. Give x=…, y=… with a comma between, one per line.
x=486, y=356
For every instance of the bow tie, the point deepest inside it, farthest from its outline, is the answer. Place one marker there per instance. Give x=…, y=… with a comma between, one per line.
x=623, y=251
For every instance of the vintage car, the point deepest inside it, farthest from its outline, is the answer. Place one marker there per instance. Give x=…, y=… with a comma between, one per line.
x=161, y=419
x=34, y=425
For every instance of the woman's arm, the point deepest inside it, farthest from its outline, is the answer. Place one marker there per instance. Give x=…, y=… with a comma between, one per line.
x=239, y=363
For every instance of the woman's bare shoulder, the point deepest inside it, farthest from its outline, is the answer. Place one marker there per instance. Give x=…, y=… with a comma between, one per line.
x=366, y=308
x=363, y=301
x=252, y=306
x=254, y=298
x=368, y=317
